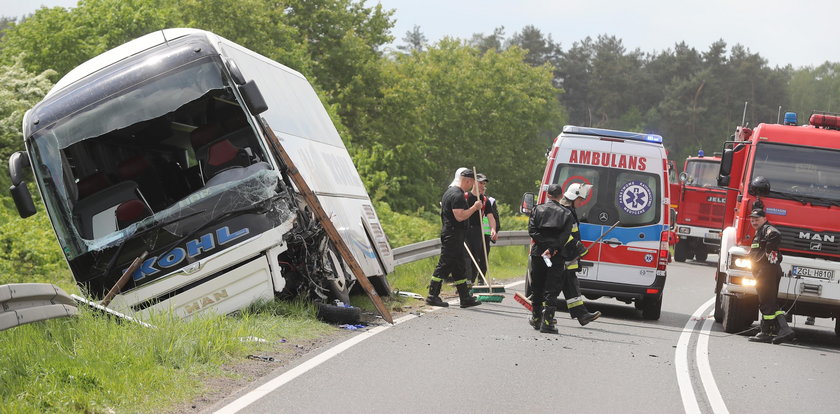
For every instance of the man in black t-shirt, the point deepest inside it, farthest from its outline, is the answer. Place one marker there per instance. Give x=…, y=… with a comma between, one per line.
x=454, y=213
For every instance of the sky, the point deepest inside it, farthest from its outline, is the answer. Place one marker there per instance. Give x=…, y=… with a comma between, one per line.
x=800, y=33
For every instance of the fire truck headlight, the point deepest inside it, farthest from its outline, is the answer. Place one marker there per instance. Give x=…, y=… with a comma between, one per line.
x=742, y=263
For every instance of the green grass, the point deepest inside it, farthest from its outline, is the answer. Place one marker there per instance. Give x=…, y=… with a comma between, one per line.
x=94, y=364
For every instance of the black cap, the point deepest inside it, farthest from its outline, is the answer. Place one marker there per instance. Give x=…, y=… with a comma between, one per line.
x=481, y=178
x=554, y=190
x=468, y=173
x=757, y=212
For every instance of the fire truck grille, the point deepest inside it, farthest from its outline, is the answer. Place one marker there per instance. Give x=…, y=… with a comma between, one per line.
x=711, y=215
x=821, y=242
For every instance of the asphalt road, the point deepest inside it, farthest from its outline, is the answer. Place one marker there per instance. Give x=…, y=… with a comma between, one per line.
x=488, y=359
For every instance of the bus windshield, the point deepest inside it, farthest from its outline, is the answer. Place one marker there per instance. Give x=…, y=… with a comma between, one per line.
x=176, y=144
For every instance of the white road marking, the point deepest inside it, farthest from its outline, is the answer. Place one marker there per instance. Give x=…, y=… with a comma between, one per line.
x=689, y=399
x=265, y=389
x=706, y=377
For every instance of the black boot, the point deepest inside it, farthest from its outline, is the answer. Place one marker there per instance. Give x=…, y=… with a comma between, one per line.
x=583, y=316
x=786, y=334
x=547, y=325
x=765, y=336
x=434, y=295
x=536, y=315
x=467, y=300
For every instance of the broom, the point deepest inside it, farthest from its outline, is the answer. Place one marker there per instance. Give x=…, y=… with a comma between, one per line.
x=488, y=296
x=487, y=288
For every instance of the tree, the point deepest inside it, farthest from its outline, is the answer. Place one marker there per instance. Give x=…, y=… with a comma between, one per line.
x=19, y=91
x=414, y=39
x=453, y=106
x=493, y=41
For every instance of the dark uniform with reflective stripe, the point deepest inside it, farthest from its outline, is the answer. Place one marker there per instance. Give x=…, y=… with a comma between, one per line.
x=550, y=226
x=570, y=285
x=767, y=275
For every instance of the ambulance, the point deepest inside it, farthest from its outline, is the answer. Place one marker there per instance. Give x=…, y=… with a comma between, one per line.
x=629, y=172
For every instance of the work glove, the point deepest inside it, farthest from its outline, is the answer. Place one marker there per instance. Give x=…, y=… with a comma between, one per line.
x=580, y=249
x=773, y=257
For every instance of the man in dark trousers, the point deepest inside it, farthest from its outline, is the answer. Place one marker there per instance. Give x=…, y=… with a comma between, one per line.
x=767, y=270
x=487, y=229
x=454, y=212
x=574, y=197
x=550, y=226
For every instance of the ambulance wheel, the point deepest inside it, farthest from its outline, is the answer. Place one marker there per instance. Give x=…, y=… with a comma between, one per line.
x=701, y=255
x=652, y=308
x=734, y=314
x=681, y=251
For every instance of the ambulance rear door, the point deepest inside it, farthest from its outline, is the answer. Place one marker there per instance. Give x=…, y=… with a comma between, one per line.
x=569, y=169
x=634, y=196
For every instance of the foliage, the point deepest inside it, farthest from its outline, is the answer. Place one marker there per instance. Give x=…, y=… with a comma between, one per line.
x=403, y=229
x=130, y=368
x=19, y=91
x=452, y=106
x=28, y=250
x=815, y=89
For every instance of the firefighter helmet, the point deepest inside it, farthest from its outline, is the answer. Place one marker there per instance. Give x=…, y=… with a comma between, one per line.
x=576, y=190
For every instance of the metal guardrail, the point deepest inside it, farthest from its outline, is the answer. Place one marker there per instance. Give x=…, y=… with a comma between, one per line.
x=22, y=303
x=429, y=248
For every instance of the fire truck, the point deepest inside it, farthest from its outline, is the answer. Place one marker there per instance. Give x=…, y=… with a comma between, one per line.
x=701, y=207
x=802, y=164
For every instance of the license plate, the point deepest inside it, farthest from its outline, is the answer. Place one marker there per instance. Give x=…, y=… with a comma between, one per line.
x=715, y=236
x=812, y=272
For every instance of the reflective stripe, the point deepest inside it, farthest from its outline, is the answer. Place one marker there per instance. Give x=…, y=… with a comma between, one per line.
x=485, y=225
x=571, y=238
x=576, y=301
x=773, y=316
x=754, y=245
x=574, y=228
x=573, y=265
x=436, y=279
x=458, y=282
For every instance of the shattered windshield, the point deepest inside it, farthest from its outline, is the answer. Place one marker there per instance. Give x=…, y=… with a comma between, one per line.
x=169, y=146
x=804, y=173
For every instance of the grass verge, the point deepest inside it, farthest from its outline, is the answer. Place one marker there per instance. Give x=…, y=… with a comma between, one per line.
x=95, y=364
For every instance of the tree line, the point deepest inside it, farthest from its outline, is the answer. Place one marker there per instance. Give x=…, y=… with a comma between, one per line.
x=412, y=114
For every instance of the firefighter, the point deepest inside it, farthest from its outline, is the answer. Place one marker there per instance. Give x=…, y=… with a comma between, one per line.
x=454, y=212
x=573, y=250
x=550, y=226
x=767, y=270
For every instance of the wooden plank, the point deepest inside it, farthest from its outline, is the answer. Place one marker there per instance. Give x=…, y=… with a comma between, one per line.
x=329, y=227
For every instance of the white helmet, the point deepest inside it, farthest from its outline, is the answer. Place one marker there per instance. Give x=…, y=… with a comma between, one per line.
x=576, y=190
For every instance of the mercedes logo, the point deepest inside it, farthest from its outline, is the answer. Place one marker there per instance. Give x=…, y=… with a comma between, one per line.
x=603, y=216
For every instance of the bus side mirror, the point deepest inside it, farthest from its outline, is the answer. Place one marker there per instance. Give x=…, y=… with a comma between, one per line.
x=527, y=203
x=253, y=98
x=23, y=199
x=18, y=165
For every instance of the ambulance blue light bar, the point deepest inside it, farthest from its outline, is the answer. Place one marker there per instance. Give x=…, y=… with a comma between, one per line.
x=598, y=132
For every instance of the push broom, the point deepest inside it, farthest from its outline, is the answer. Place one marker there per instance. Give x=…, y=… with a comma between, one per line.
x=487, y=289
x=488, y=294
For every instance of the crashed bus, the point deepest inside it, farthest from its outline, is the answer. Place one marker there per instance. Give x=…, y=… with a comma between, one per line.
x=160, y=147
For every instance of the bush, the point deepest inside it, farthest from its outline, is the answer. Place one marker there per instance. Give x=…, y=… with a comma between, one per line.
x=29, y=251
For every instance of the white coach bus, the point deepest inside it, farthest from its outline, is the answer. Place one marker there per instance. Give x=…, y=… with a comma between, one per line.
x=161, y=146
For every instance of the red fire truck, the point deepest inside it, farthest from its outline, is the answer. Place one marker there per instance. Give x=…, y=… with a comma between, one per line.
x=701, y=207
x=802, y=164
